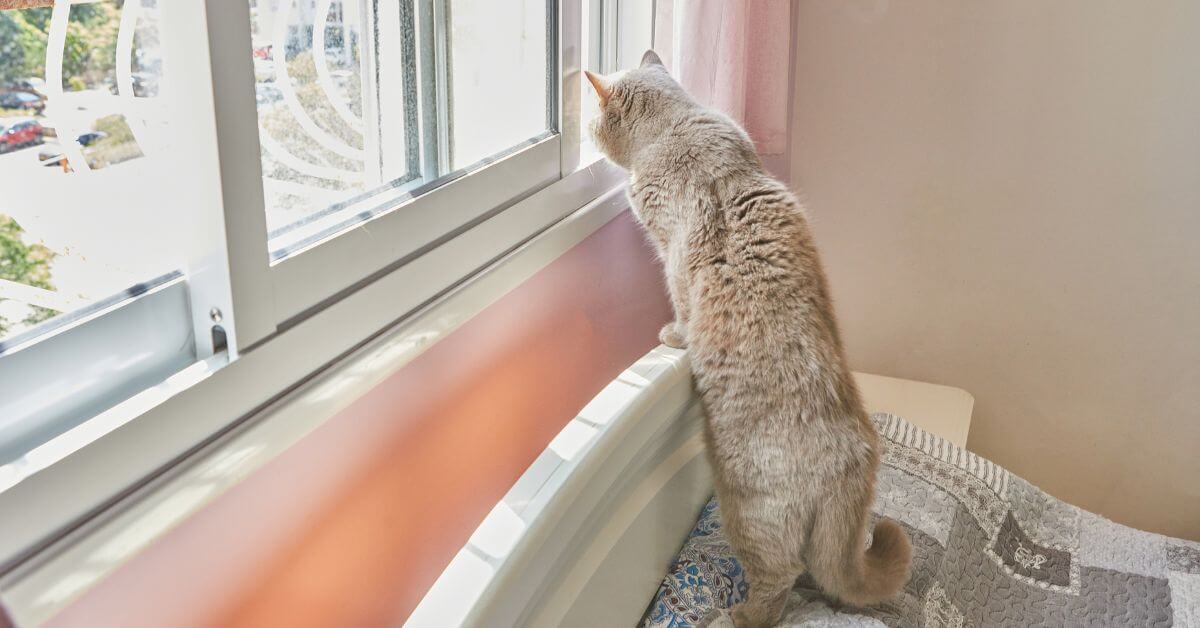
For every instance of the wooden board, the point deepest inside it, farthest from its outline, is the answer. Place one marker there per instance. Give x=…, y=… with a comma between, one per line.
x=941, y=410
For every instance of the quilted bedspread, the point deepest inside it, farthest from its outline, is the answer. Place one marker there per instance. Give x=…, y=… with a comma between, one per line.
x=990, y=549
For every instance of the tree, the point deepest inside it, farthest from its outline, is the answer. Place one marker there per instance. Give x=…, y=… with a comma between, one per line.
x=22, y=44
x=10, y=46
x=282, y=126
x=24, y=263
x=89, y=52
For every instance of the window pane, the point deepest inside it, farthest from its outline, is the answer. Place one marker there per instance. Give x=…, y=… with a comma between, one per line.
x=616, y=33
x=361, y=102
x=84, y=136
x=591, y=59
x=320, y=86
x=499, y=64
x=634, y=26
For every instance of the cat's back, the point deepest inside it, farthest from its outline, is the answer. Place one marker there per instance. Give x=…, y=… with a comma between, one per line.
x=743, y=209
x=764, y=341
x=755, y=258
x=760, y=291
x=763, y=326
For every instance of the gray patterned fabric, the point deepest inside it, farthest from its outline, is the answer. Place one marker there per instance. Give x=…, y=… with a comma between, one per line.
x=990, y=550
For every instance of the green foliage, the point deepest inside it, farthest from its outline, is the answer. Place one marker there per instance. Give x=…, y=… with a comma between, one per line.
x=24, y=263
x=284, y=128
x=20, y=262
x=22, y=44
x=37, y=315
x=302, y=68
x=89, y=53
x=117, y=129
x=37, y=18
x=119, y=144
x=303, y=72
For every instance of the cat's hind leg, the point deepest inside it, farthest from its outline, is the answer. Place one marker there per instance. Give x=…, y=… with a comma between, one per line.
x=770, y=557
x=766, y=600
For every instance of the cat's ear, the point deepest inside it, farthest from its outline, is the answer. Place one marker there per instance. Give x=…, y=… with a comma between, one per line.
x=651, y=58
x=603, y=87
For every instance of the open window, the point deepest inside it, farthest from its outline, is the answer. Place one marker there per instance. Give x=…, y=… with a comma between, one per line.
x=194, y=184
x=112, y=273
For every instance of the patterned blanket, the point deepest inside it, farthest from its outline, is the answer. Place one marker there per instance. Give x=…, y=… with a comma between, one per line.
x=990, y=549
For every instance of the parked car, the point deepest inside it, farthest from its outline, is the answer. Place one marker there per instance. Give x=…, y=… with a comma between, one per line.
x=19, y=132
x=32, y=85
x=91, y=137
x=22, y=100
x=52, y=153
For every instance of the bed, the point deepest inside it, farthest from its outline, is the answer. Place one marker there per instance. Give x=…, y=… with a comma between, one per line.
x=990, y=549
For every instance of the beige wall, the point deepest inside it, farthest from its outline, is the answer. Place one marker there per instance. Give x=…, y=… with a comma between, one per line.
x=1007, y=196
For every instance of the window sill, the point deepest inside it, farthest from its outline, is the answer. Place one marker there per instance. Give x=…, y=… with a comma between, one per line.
x=311, y=370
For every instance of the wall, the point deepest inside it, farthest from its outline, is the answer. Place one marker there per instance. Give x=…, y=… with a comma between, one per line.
x=1007, y=196
x=425, y=455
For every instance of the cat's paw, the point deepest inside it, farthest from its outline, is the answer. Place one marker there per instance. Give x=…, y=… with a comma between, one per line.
x=672, y=336
x=717, y=618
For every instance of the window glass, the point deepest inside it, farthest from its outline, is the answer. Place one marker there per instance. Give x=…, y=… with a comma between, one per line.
x=83, y=132
x=500, y=81
x=362, y=102
x=591, y=59
x=615, y=35
x=319, y=126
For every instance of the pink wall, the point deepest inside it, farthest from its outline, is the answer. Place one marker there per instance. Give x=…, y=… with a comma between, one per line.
x=352, y=525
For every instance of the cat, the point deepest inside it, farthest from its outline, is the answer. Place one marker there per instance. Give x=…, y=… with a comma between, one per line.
x=793, y=452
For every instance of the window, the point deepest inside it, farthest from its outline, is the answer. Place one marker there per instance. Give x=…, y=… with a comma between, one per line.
x=192, y=184
x=322, y=89
x=361, y=104
x=96, y=154
x=492, y=110
x=615, y=35
x=76, y=129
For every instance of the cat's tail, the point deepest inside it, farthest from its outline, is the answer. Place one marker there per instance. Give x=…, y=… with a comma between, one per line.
x=845, y=568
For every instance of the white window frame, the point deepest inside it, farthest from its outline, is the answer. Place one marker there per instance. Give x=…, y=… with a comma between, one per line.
x=624, y=28
x=278, y=294
x=290, y=320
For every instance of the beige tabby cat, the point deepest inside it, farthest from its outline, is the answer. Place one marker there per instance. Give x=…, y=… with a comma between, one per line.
x=794, y=453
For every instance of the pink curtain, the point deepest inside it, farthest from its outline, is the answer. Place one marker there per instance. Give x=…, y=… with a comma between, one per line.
x=734, y=55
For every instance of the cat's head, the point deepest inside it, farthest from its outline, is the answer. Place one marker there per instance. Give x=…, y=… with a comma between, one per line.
x=635, y=107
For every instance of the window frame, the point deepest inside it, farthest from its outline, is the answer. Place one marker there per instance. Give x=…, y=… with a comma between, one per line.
x=286, y=327
x=277, y=293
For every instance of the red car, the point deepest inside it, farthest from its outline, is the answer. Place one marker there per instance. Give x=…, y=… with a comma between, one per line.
x=18, y=133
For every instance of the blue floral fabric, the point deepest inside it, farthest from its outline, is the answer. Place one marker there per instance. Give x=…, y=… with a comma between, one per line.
x=704, y=577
